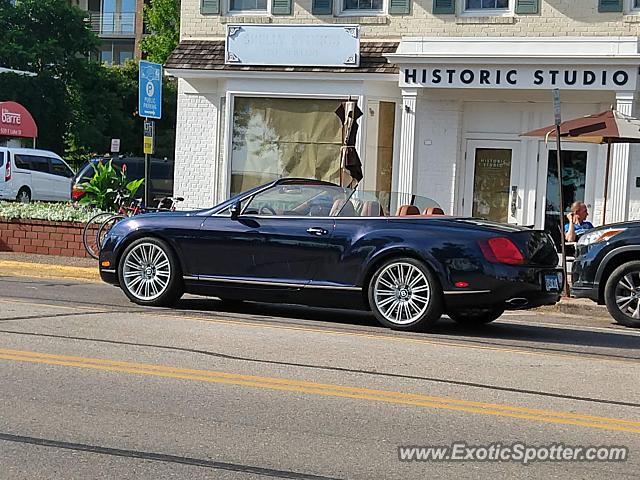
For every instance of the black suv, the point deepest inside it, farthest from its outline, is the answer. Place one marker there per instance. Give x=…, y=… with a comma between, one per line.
x=607, y=270
x=161, y=175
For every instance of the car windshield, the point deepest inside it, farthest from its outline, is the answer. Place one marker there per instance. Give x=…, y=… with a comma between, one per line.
x=323, y=200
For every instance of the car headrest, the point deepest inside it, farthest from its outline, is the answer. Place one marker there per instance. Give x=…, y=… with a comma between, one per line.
x=347, y=211
x=406, y=210
x=371, y=209
x=433, y=211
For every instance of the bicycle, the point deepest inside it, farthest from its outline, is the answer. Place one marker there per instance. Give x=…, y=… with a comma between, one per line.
x=99, y=225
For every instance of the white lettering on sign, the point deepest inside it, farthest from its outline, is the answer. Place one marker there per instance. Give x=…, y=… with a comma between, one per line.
x=457, y=76
x=11, y=118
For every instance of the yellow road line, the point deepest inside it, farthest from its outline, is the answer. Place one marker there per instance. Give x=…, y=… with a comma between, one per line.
x=312, y=388
x=326, y=331
x=43, y=270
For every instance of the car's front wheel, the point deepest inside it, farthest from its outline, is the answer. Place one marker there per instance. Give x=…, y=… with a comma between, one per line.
x=149, y=274
x=622, y=294
x=404, y=295
x=475, y=316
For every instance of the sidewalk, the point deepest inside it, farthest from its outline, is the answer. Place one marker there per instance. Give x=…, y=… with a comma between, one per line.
x=48, y=266
x=32, y=265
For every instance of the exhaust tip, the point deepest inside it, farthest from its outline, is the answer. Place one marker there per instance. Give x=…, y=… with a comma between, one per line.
x=517, y=302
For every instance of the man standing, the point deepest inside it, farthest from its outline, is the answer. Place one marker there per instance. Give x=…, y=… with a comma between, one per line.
x=577, y=222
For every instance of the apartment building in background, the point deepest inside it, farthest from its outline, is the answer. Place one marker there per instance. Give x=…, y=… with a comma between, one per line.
x=446, y=87
x=120, y=26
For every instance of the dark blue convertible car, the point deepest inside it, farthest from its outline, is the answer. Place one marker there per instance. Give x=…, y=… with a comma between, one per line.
x=315, y=243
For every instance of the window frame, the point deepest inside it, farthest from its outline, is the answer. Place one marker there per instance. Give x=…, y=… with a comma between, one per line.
x=244, y=13
x=630, y=7
x=340, y=11
x=463, y=11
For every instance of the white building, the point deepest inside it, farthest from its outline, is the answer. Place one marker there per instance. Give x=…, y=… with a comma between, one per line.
x=447, y=87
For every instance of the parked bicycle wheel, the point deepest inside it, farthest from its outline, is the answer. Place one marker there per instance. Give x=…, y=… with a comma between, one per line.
x=106, y=226
x=90, y=233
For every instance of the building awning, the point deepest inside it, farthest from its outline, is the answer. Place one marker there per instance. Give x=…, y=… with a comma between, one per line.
x=16, y=121
x=209, y=55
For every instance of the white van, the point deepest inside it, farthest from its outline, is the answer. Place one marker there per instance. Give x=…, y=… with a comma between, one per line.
x=28, y=174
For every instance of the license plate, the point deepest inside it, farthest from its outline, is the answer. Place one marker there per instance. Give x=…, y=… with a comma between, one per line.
x=552, y=282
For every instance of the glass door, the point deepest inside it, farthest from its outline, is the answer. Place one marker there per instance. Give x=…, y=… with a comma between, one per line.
x=576, y=186
x=491, y=190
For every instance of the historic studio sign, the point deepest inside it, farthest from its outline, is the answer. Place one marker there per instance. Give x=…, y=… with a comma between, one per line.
x=525, y=77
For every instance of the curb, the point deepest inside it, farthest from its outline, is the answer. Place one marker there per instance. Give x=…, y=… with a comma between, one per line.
x=576, y=308
x=42, y=270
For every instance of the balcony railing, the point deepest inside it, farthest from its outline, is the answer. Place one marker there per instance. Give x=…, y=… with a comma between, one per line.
x=110, y=24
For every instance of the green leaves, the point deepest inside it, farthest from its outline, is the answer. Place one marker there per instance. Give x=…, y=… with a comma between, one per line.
x=162, y=18
x=105, y=185
x=54, y=212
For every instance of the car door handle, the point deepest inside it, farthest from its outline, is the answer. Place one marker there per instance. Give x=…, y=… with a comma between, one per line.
x=317, y=231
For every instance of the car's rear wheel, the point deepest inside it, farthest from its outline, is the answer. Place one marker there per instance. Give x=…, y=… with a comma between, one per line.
x=404, y=295
x=149, y=274
x=622, y=294
x=475, y=316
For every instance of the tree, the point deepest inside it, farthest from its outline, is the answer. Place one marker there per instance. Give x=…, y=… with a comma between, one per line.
x=45, y=36
x=162, y=18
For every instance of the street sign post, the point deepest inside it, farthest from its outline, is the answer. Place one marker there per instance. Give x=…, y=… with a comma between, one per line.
x=149, y=106
x=558, y=120
x=149, y=137
x=150, y=90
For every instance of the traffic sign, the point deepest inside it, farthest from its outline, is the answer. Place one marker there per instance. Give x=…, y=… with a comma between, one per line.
x=149, y=137
x=115, y=145
x=150, y=90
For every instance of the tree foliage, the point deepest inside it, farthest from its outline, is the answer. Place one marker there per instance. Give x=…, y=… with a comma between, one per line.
x=162, y=17
x=78, y=104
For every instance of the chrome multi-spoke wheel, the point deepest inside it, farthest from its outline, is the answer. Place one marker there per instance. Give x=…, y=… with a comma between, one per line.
x=148, y=273
x=402, y=294
x=622, y=294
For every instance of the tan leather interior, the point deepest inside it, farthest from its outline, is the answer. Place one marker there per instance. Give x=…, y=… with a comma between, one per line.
x=406, y=210
x=372, y=209
x=347, y=211
x=433, y=211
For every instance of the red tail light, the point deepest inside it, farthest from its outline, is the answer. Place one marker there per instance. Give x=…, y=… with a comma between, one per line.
x=76, y=193
x=7, y=171
x=501, y=250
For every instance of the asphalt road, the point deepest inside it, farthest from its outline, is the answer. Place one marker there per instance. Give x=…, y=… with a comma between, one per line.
x=96, y=387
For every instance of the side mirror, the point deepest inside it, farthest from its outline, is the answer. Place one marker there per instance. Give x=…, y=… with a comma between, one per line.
x=235, y=210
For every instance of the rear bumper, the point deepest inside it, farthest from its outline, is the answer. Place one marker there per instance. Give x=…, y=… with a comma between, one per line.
x=514, y=289
x=590, y=291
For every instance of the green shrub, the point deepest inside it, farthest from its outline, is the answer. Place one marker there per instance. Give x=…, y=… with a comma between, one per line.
x=103, y=188
x=55, y=212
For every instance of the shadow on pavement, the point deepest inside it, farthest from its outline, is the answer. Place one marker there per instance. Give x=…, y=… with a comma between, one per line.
x=497, y=333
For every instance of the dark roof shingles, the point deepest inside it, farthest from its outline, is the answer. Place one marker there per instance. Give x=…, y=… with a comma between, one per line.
x=209, y=55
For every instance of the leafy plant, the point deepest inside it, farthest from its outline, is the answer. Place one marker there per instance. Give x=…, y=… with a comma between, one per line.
x=106, y=184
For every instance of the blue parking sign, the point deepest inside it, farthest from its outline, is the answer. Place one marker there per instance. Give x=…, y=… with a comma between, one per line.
x=150, y=90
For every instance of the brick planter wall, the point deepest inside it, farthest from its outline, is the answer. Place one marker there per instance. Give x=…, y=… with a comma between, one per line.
x=41, y=236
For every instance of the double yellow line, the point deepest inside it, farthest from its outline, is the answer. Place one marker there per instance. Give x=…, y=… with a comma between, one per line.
x=312, y=388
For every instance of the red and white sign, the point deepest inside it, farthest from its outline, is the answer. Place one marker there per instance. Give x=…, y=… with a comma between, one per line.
x=16, y=121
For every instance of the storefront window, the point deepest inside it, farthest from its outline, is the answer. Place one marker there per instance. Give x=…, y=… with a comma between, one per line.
x=248, y=5
x=486, y=4
x=287, y=137
x=574, y=174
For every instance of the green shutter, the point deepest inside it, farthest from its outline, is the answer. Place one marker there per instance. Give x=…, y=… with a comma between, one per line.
x=527, y=6
x=399, y=7
x=281, y=7
x=610, y=6
x=210, y=7
x=322, y=7
x=444, y=6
